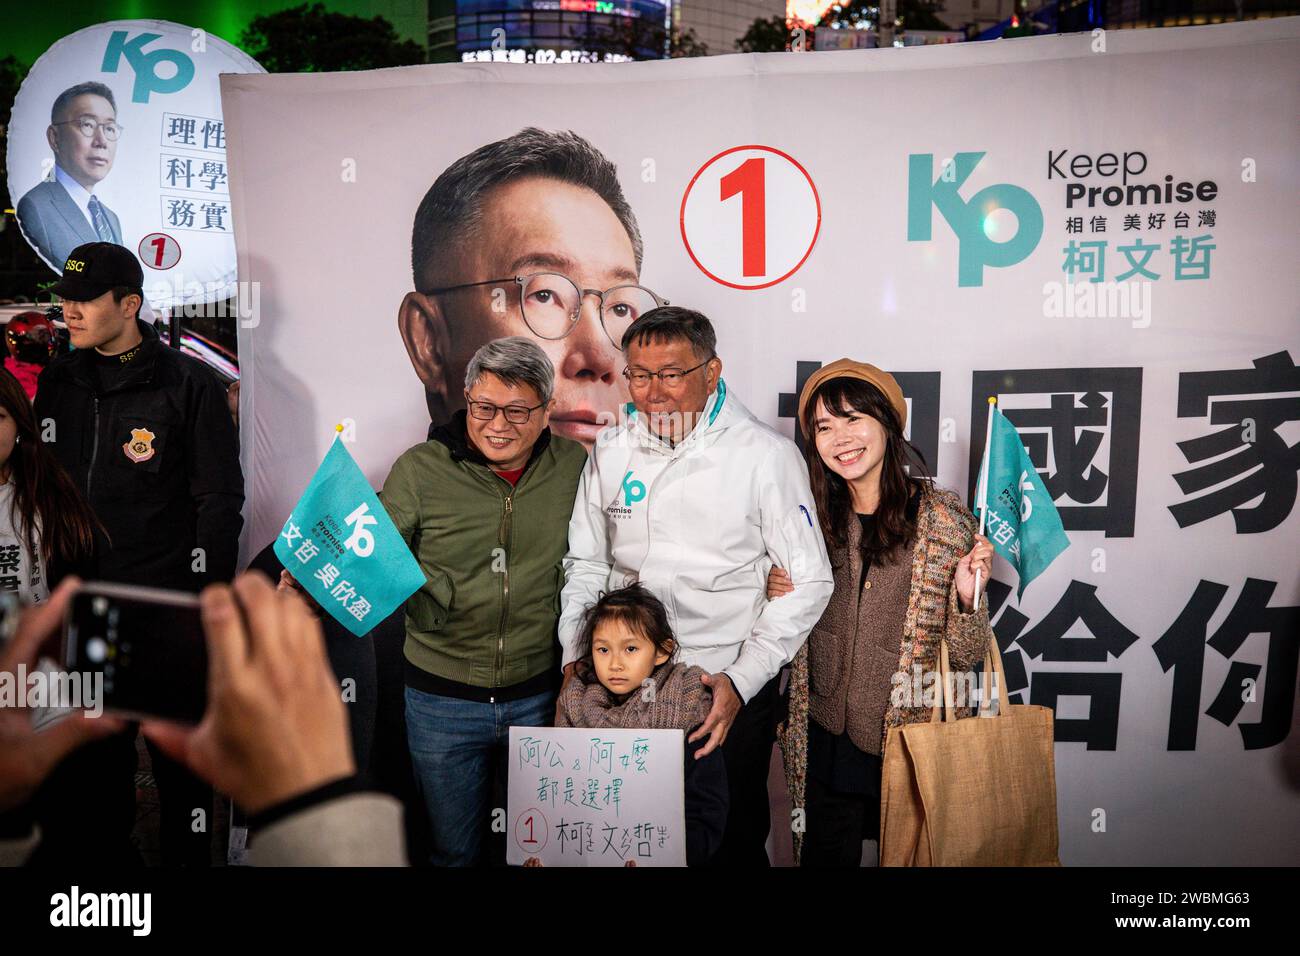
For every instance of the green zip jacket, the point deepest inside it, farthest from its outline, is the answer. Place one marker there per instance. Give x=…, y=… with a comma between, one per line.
x=492, y=555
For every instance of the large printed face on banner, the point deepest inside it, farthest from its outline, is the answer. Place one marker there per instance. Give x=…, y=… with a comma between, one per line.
x=117, y=136
x=83, y=133
x=1120, y=279
x=529, y=235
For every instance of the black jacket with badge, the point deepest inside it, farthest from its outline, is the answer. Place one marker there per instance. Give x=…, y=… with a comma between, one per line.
x=156, y=455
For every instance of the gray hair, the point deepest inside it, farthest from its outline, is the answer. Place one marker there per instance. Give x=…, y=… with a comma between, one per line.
x=515, y=360
x=451, y=210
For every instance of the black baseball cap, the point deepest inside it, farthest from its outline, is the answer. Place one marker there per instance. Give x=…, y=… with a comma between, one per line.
x=95, y=268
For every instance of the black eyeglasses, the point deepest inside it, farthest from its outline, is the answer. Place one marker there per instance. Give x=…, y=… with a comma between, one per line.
x=551, y=303
x=486, y=411
x=87, y=125
x=669, y=376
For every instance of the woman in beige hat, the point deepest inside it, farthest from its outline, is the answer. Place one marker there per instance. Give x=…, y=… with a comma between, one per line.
x=887, y=613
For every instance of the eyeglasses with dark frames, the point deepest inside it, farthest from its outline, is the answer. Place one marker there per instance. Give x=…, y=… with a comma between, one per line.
x=87, y=125
x=669, y=376
x=551, y=303
x=486, y=411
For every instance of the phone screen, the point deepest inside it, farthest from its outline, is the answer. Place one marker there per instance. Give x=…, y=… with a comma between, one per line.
x=147, y=644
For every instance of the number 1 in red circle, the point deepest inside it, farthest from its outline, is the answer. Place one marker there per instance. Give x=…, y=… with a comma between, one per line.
x=159, y=251
x=725, y=212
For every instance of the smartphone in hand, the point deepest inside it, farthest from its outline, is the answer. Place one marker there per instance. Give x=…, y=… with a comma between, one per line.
x=145, y=644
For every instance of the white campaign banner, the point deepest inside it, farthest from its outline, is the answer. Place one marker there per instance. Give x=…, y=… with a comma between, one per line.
x=1099, y=230
x=602, y=797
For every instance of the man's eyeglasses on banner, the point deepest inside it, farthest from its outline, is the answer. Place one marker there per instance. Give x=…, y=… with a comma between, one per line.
x=86, y=126
x=552, y=303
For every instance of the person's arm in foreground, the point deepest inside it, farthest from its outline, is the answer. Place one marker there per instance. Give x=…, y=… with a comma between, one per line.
x=275, y=735
x=28, y=756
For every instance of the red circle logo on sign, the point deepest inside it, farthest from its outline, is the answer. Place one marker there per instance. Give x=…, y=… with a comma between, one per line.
x=531, y=831
x=159, y=251
x=727, y=209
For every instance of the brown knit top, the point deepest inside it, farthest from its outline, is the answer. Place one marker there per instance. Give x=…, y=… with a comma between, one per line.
x=853, y=650
x=843, y=673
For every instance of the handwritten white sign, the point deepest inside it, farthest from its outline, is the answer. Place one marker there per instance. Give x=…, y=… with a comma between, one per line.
x=596, y=797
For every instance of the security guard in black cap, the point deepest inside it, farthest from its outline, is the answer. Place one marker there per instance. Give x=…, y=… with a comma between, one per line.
x=145, y=432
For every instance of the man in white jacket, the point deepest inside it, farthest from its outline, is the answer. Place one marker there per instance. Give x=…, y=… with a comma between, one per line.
x=695, y=498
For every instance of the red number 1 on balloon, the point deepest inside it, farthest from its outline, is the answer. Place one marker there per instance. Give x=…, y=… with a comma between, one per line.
x=159, y=251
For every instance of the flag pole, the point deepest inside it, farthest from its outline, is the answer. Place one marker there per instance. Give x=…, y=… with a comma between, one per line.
x=984, y=485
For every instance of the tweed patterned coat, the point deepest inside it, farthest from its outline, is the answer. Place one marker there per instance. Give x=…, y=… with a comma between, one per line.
x=945, y=533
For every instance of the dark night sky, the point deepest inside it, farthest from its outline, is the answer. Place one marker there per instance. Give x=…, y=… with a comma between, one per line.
x=39, y=25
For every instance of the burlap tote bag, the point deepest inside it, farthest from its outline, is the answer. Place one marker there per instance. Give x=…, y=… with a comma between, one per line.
x=973, y=792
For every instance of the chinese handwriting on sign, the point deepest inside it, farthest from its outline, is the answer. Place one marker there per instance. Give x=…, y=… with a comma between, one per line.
x=590, y=791
x=596, y=797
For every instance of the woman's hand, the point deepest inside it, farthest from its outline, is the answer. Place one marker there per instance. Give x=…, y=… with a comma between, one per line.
x=778, y=583
x=980, y=559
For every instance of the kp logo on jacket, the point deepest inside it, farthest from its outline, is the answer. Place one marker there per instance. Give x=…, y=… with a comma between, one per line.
x=633, y=491
x=140, y=447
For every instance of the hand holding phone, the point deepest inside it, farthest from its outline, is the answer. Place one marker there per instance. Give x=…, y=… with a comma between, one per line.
x=27, y=755
x=276, y=725
x=144, y=644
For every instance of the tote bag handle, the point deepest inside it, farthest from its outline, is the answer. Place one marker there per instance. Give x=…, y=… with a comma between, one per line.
x=993, y=660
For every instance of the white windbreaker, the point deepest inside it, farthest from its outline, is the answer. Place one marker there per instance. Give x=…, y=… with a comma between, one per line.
x=700, y=525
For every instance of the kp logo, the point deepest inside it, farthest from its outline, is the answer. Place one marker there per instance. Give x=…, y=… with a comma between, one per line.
x=633, y=491
x=969, y=219
x=145, y=65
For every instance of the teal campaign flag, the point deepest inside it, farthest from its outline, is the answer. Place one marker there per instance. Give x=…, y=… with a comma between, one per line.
x=344, y=550
x=1021, y=521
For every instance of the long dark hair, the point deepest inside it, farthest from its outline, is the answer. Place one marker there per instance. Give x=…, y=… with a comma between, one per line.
x=42, y=489
x=903, y=471
x=641, y=611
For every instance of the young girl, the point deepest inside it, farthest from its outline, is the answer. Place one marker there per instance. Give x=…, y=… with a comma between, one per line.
x=46, y=528
x=626, y=677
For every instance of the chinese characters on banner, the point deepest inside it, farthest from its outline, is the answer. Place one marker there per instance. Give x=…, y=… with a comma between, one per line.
x=1128, y=295
x=600, y=797
x=342, y=547
x=195, y=194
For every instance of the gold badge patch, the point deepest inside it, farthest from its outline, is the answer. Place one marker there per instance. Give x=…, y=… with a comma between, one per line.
x=140, y=447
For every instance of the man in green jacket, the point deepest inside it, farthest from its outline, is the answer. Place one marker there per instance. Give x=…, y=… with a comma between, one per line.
x=484, y=505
